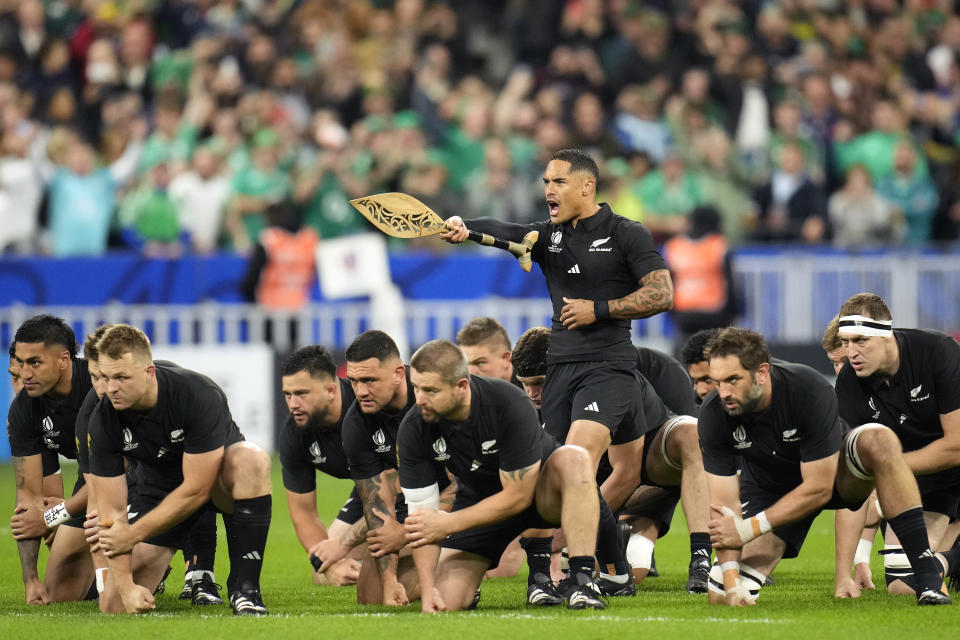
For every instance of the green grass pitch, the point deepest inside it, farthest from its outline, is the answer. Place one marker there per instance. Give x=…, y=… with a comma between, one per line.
x=801, y=604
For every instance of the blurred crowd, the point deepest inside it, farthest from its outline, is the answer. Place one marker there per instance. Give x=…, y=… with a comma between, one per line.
x=171, y=126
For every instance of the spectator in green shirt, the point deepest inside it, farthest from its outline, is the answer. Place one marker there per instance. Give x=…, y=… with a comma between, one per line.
x=668, y=194
x=912, y=192
x=253, y=189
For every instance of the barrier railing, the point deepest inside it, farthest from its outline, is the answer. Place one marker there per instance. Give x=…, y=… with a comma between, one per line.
x=788, y=296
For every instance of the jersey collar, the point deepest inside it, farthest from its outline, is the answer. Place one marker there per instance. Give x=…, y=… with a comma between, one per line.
x=597, y=219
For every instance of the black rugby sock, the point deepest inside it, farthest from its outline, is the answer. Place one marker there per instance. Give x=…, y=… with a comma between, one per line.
x=246, y=541
x=581, y=569
x=700, y=546
x=953, y=560
x=912, y=534
x=200, y=547
x=538, y=558
x=609, y=552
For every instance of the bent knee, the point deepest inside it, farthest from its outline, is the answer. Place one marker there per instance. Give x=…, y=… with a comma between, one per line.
x=570, y=459
x=250, y=458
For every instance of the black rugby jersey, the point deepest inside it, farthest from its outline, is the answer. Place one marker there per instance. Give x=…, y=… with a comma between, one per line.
x=305, y=451
x=191, y=416
x=46, y=424
x=370, y=439
x=800, y=425
x=910, y=402
x=81, y=429
x=602, y=258
x=669, y=379
x=81, y=432
x=503, y=432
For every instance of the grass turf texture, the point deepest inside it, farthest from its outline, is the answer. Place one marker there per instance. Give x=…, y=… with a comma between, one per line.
x=801, y=605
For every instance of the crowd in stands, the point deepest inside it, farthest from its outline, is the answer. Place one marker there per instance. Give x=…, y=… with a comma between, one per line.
x=170, y=126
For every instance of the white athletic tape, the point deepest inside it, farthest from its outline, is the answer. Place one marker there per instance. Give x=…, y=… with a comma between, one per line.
x=864, y=549
x=749, y=528
x=422, y=498
x=56, y=515
x=101, y=579
x=895, y=558
x=639, y=551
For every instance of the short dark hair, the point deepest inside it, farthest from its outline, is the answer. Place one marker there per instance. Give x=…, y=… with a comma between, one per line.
x=579, y=161
x=90, y=351
x=372, y=344
x=481, y=330
x=692, y=351
x=12, y=349
x=866, y=304
x=315, y=359
x=442, y=357
x=49, y=330
x=747, y=345
x=529, y=355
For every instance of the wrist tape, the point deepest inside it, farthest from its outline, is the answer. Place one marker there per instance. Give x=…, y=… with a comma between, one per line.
x=55, y=515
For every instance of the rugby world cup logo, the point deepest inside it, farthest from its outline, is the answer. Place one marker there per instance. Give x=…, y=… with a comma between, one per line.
x=315, y=450
x=440, y=448
x=556, y=236
x=128, y=443
x=380, y=440
x=740, y=435
x=47, y=424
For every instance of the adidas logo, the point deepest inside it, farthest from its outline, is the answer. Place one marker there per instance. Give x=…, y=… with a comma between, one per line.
x=253, y=555
x=592, y=407
x=574, y=269
x=927, y=554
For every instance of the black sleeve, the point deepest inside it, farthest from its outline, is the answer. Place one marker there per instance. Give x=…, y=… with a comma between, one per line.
x=520, y=433
x=206, y=412
x=22, y=428
x=947, y=372
x=719, y=456
x=503, y=230
x=639, y=249
x=361, y=458
x=417, y=469
x=299, y=476
x=50, y=461
x=81, y=432
x=669, y=379
x=850, y=399
x=105, y=442
x=822, y=429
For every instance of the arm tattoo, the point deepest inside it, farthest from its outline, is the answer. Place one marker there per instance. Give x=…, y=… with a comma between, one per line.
x=517, y=476
x=369, y=490
x=449, y=494
x=355, y=535
x=654, y=296
x=29, y=550
x=18, y=475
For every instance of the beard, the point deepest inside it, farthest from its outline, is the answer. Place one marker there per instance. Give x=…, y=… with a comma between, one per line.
x=750, y=401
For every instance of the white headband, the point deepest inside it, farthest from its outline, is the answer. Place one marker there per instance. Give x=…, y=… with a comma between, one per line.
x=864, y=326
